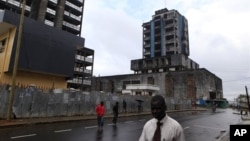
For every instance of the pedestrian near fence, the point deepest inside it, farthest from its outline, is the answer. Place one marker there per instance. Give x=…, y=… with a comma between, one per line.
x=115, y=113
x=100, y=111
x=124, y=106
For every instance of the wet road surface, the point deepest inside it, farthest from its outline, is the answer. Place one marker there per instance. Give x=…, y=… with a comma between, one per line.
x=201, y=126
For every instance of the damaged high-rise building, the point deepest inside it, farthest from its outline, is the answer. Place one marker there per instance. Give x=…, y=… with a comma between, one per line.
x=165, y=67
x=165, y=44
x=52, y=53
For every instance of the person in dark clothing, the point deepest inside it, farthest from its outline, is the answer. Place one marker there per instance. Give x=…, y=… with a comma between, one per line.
x=115, y=112
x=124, y=106
x=140, y=108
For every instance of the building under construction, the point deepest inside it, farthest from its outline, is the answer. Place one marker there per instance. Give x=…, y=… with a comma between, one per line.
x=52, y=53
x=165, y=67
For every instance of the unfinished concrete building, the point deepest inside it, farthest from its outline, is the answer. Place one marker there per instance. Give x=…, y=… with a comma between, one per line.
x=63, y=14
x=165, y=44
x=51, y=38
x=188, y=84
x=165, y=67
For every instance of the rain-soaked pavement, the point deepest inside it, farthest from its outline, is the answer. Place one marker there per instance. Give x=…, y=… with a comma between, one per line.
x=208, y=126
x=200, y=126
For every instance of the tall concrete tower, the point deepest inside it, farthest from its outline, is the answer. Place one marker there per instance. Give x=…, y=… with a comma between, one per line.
x=63, y=14
x=52, y=47
x=165, y=34
x=165, y=44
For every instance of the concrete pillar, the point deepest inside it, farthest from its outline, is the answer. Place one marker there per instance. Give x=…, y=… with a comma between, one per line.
x=59, y=13
x=38, y=10
x=191, y=91
x=169, y=85
x=34, y=9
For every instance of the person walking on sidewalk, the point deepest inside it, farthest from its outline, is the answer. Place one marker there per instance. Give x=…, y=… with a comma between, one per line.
x=124, y=105
x=115, y=112
x=100, y=110
x=161, y=127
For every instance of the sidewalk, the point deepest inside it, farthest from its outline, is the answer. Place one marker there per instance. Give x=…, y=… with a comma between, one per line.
x=33, y=121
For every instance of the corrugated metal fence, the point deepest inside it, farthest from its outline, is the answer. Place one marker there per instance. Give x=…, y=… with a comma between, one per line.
x=32, y=102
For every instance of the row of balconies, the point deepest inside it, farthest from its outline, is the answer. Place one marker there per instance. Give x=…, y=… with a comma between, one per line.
x=82, y=58
x=171, y=20
x=147, y=27
x=146, y=53
x=74, y=6
x=148, y=66
x=171, y=14
x=140, y=65
x=79, y=81
x=17, y=4
x=174, y=40
x=72, y=16
x=56, y=1
x=179, y=60
x=170, y=33
x=52, y=12
x=168, y=48
x=146, y=35
x=146, y=42
x=48, y=22
x=80, y=69
x=27, y=7
x=146, y=45
x=171, y=25
x=153, y=62
x=77, y=2
x=72, y=21
x=71, y=25
x=169, y=41
x=158, y=26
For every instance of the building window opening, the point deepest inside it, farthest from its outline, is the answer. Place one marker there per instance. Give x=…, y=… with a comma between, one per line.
x=2, y=45
x=137, y=93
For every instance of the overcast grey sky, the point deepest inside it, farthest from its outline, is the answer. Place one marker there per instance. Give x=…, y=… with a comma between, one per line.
x=219, y=36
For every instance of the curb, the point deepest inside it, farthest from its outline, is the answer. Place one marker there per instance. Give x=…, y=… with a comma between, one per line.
x=36, y=121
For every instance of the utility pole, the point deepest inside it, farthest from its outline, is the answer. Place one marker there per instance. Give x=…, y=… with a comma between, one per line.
x=247, y=99
x=13, y=82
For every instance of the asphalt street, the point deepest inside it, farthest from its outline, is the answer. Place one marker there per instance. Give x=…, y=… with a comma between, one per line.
x=205, y=126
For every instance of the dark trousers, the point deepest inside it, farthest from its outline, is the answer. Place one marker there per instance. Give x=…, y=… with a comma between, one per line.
x=115, y=118
x=100, y=121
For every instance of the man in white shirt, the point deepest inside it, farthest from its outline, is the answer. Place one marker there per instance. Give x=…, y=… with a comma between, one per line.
x=161, y=126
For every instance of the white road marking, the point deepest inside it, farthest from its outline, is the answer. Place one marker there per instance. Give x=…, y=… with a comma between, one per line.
x=66, y=130
x=186, y=127
x=129, y=121
x=207, y=127
x=90, y=127
x=23, y=136
x=112, y=124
